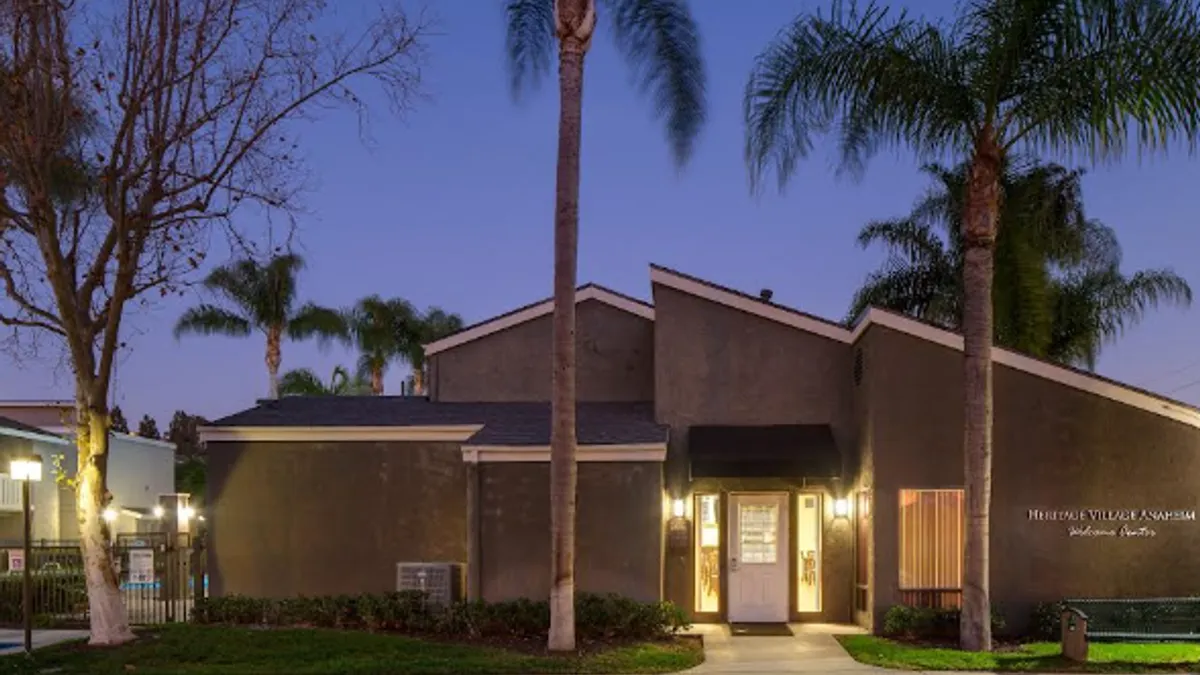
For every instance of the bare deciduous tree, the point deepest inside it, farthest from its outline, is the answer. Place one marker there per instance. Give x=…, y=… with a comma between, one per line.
x=130, y=134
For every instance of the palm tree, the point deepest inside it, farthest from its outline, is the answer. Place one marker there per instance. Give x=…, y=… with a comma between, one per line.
x=658, y=39
x=263, y=298
x=432, y=326
x=305, y=382
x=1005, y=75
x=1059, y=291
x=383, y=331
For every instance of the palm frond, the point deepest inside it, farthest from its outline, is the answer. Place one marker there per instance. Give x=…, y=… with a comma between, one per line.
x=905, y=237
x=529, y=42
x=313, y=321
x=884, y=79
x=434, y=325
x=661, y=44
x=239, y=282
x=212, y=320
x=302, y=382
x=1107, y=73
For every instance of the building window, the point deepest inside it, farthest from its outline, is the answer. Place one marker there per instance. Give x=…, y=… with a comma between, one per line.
x=708, y=553
x=862, y=551
x=931, y=540
x=808, y=552
x=757, y=528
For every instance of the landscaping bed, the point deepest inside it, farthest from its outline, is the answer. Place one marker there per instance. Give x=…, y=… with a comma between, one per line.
x=388, y=634
x=237, y=650
x=1029, y=657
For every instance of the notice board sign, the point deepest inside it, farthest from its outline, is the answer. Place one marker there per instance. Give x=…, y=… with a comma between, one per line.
x=141, y=566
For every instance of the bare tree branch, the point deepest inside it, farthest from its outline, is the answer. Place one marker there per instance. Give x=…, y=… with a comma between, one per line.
x=133, y=131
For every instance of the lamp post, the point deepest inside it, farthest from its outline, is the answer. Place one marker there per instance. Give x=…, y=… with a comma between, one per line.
x=28, y=470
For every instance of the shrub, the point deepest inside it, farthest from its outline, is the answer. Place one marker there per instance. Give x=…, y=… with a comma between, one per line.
x=1045, y=620
x=53, y=593
x=925, y=623
x=596, y=616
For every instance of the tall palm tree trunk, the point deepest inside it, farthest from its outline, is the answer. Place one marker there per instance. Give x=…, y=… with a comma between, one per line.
x=982, y=211
x=575, y=20
x=274, y=358
x=418, y=381
x=377, y=381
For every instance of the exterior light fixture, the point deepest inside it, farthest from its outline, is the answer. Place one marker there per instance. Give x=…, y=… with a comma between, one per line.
x=159, y=511
x=186, y=513
x=109, y=515
x=677, y=508
x=28, y=468
x=841, y=507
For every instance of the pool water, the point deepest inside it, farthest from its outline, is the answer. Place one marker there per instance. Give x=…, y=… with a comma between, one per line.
x=10, y=645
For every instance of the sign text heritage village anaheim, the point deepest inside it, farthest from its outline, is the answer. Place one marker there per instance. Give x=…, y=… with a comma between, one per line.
x=1081, y=520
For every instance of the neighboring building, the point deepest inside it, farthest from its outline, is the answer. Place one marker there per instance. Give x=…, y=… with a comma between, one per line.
x=744, y=460
x=140, y=470
x=18, y=439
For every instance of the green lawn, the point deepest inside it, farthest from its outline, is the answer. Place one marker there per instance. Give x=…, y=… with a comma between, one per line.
x=1035, y=657
x=213, y=650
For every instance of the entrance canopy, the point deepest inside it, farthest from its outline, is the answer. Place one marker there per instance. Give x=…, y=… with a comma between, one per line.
x=776, y=451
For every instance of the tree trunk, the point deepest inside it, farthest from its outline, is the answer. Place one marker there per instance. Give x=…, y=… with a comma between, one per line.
x=980, y=219
x=377, y=381
x=418, y=381
x=575, y=20
x=109, y=623
x=274, y=358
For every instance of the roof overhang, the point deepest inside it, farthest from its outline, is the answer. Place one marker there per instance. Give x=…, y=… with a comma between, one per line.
x=641, y=452
x=537, y=311
x=47, y=437
x=774, y=451
x=455, y=433
x=879, y=317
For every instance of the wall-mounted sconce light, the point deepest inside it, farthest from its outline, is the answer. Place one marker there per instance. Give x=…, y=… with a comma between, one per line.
x=159, y=511
x=841, y=507
x=678, y=508
x=109, y=515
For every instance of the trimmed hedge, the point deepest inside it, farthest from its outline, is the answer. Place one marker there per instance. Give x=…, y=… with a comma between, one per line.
x=925, y=623
x=53, y=593
x=596, y=616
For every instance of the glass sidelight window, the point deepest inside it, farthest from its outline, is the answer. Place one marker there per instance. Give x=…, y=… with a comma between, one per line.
x=708, y=553
x=808, y=553
x=931, y=539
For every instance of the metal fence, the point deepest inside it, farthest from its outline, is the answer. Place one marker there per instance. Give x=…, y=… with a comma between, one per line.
x=160, y=576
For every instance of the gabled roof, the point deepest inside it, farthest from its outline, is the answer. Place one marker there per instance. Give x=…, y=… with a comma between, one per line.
x=514, y=424
x=537, y=310
x=1070, y=377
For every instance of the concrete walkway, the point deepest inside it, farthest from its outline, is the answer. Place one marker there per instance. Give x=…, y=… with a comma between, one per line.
x=812, y=649
x=41, y=638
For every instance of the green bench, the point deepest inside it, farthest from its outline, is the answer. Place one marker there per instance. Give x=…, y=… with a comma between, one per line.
x=1127, y=620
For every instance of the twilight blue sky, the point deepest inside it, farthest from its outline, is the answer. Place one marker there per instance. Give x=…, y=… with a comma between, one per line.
x=453, y=206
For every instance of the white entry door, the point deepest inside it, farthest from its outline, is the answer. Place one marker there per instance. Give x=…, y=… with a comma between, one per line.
x=758, y=558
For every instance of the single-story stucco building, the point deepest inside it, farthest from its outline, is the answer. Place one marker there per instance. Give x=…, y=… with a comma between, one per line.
x=747, y=461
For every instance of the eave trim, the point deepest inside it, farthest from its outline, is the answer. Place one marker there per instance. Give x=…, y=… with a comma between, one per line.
x=444, y=433
x=535, y=312
x=638, y=452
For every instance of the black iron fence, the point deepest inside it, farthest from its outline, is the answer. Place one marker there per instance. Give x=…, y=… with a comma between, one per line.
x=160, y=576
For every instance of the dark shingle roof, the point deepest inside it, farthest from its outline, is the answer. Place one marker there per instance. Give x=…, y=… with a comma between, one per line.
x=26, y=430
x=504, y=423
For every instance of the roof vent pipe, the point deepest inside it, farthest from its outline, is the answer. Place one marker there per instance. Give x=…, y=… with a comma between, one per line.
x=766, y=294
